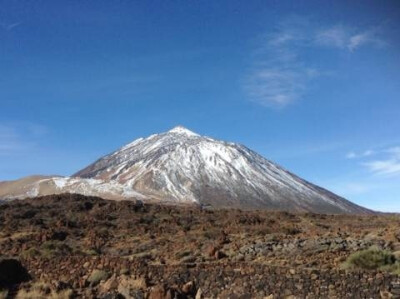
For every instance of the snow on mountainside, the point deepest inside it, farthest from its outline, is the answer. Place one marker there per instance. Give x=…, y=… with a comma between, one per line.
x=182, y=166
x=41, y=185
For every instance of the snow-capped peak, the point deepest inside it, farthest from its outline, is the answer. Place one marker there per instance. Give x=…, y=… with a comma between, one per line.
x=182, y=130
x=181, y=165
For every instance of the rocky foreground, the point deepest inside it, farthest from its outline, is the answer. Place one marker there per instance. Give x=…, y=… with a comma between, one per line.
x=66, y=246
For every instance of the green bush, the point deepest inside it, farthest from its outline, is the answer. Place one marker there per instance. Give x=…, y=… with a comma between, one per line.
x=371, y=259
x=394, y=268
x=91, y=251
x=30, y=253
x=50, y=249
x=97, y=276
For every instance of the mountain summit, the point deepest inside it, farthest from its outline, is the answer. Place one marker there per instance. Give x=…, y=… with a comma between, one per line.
x=182, y=166
x=183, y=131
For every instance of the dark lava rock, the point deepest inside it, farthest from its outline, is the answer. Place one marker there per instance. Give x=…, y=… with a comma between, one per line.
x=59, y=236
x=12, y=272
x=219, y=255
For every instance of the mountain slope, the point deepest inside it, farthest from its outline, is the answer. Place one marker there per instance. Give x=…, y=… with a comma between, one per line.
x=41, y=185
x=182, y=166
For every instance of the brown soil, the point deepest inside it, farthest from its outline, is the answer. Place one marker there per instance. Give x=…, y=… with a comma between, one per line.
x=63, y=239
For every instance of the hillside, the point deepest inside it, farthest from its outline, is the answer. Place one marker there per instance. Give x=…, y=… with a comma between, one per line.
x=182, y=167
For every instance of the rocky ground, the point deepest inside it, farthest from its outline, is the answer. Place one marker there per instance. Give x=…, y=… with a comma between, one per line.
x=77, y=246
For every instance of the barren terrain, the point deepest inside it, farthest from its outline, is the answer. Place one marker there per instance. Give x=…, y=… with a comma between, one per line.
x=72, y=245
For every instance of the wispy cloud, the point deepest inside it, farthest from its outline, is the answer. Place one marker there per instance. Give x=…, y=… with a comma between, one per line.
x=354, y=155
x=387, y=167
x=387, y=163
x=10, y=26
x=394, y=151
x=279, y=85
x=280, y=74
x=348, y=38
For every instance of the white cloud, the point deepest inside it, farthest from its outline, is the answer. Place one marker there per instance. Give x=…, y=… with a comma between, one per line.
x=351, y=155
x=395, y=151
x=281, y=39
x=354, y=155
x=347, y=38
x=388, y=167
x=368, y=153
x=358, y=40
x=10, y=26
x=388, y=164
x=278, y=86
x=279, y=74
x=332, y=37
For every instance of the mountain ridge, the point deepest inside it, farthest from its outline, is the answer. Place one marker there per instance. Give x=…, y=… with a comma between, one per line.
x=182, y=167
x=185, y=166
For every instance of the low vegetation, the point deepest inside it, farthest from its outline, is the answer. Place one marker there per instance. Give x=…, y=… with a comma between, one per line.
x=42, y=290
x=99, y=242
x=373, y=259
x=97, y=276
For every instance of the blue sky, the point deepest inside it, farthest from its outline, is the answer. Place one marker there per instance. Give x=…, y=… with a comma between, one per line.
x=311, y=85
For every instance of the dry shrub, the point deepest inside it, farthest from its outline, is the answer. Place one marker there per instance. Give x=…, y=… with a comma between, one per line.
x=41, y=290
x=370, y=259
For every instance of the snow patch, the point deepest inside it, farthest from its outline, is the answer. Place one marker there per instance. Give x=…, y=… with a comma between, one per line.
x=182, y=130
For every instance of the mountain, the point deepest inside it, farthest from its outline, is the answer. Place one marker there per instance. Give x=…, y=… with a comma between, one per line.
x=46, y=185
x=180, y=167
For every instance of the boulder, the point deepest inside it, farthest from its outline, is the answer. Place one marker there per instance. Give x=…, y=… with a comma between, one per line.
x=130, y=287
x=199, y=294
x=158, y=292
x=210, y=250
x=58, y=235
x=109, y=285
